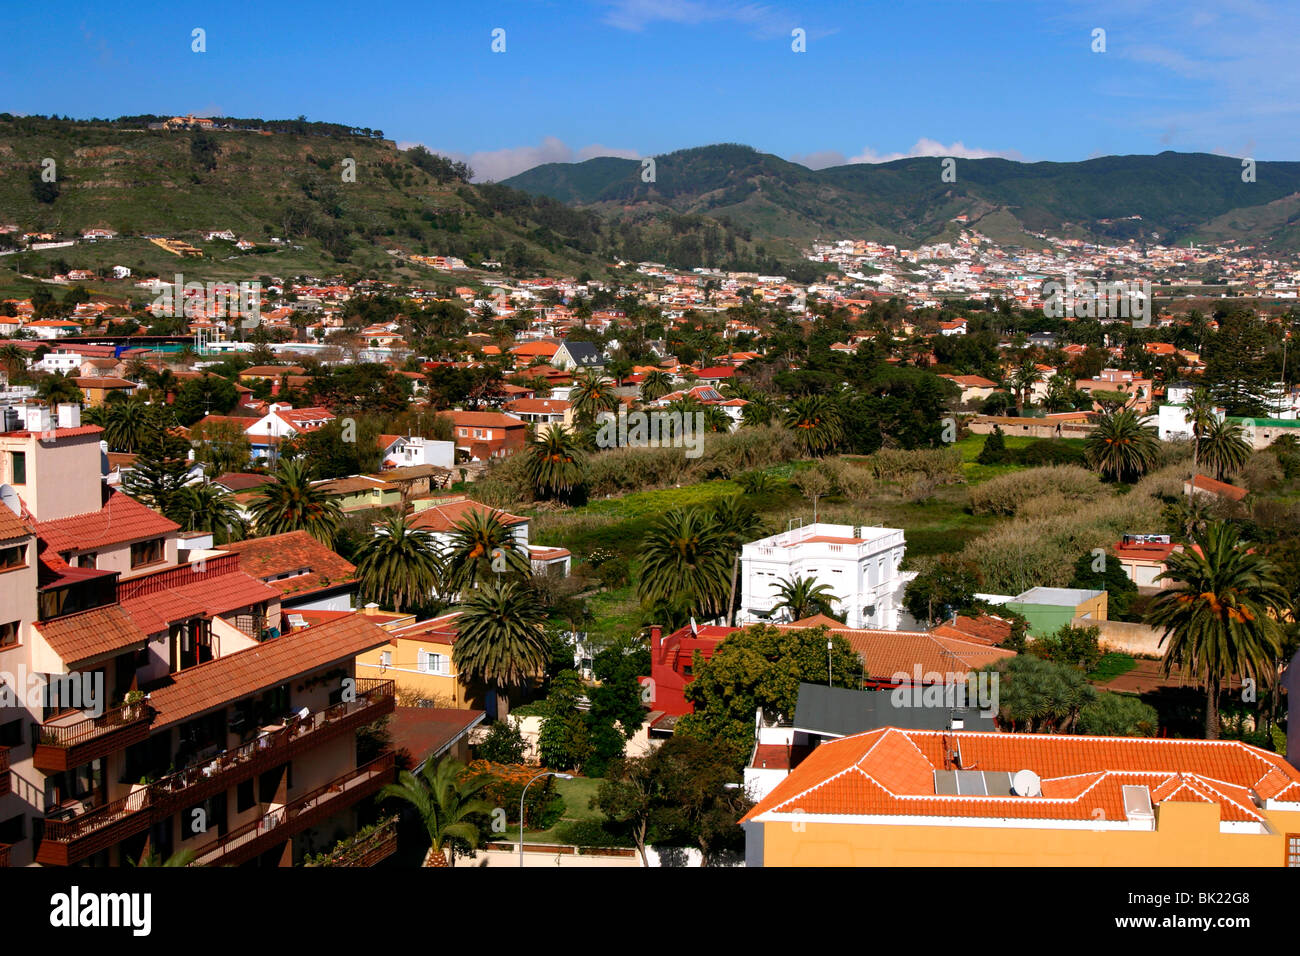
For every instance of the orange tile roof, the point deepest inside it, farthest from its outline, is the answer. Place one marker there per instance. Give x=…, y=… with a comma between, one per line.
x=444, y=517
x=890, y=772
x=265, y=558
x=80, y=637
x=120, y=520
x=12, y=527
x=189, y=693
x=886, y=654
x=156, y=601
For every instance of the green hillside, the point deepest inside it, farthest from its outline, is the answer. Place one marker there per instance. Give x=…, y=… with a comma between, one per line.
x=1177, y=196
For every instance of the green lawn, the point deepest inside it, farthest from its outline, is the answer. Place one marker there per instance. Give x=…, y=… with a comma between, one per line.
x=577, y=795
x=1111, y=666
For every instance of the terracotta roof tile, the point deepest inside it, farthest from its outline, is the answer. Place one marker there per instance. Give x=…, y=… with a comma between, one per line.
x=200, y=689
x=89, y=634
x=120, y=520
x=266, y=558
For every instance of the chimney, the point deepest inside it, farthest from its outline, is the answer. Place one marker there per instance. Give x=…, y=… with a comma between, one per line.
x=70, y=415
x=370, y=610
x=656, y=641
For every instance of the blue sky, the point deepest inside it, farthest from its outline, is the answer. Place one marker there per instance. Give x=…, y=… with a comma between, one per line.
x=879, y=79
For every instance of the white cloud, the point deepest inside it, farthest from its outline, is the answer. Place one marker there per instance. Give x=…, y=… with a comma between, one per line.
x=499, y=164
x=636, y=15
x=922, y=147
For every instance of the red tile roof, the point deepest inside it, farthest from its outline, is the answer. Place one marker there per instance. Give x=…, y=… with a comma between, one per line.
x=12, y=527
x=80, y=637
x=156, y=601
x=1223, y=489
x=120, y=520
x=200, y=689
x=294, y=551
x=891, y=772
x=425, y=732
x=887, y=654
x=443, y=517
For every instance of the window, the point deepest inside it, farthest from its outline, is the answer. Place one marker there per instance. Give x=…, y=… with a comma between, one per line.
x=385, y=658
x=1293, y=849
x=244, y=794
x=147, y=552
x=9, y=634
x=428, y=662
x=11, y=733
x=13, y=557
x=18, y=467
x=14, y=830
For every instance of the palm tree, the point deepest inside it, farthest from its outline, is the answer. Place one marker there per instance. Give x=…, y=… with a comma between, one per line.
x=553, y=463
x=59, y=389
x=1223, y=449
x=400, y=566
x=656, y=384
x=816, y=424
x=758, y=411
x=804, y=597
x=1023, y=380
x=737, y=521
x=207, y=507
x=592, y=393
x=500, y=637
x=1121, y=447
x=290, y=502
x=13, y=359
x=715, y=419
x=1223, y=617
x=1200, y=413
x=445, y=800
x=481, y=544
x=127, y=424
x=686, y=560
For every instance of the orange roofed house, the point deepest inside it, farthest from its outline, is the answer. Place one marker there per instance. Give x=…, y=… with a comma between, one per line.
x=484, y=435
x=895, y=797
x=164, y=682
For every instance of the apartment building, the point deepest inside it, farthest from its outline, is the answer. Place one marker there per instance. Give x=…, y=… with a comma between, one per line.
x=860, y=566
x=480, y=436
x=149, y=699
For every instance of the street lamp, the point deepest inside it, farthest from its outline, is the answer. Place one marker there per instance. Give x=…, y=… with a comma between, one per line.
x=544, y=773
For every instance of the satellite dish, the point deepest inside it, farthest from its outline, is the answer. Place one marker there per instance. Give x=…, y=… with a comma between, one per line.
x=1026, y=784
x=9, y=498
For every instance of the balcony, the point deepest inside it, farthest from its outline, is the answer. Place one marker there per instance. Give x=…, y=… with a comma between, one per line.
x=276, y=827
x=4, y=854
x=4, y=771
x=71, y=740
x=368, y=850
x=70, y=841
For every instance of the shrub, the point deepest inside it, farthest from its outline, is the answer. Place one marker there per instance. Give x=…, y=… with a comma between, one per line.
x=1006, y=493
x=543, y=807
x=894, y=464
x=1118, y=715
x=593, y=833
x=1076, y=646
x=503, y=744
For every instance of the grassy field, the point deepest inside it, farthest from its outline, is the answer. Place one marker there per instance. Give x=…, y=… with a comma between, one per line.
x=577, y=795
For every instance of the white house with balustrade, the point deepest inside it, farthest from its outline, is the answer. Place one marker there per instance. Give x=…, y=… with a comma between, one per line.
x=860, y=565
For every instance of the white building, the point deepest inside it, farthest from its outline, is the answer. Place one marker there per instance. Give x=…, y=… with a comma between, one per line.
x=859, y=565
x=1172, y=422
x=414, y=450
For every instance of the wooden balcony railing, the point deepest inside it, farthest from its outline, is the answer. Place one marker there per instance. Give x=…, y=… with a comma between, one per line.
x=379, y=844
x=4, y=854
x=69, y=841
x=4, y=771
x=65, y=746
x=273, y=829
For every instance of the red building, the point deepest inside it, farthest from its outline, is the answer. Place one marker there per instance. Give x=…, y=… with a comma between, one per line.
x=671, y=660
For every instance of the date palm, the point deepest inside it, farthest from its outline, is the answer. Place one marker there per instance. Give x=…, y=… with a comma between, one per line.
x=758, y=411
x=1222, y=618
x=553, y=463
x=59, y=389
x=1223, y=449
x=656, y=384
x=446, y=800
x=815, y=421
x=207, y=507
x=1200, y=413
x=1023, y=380
x=500, y=637
x=127, y=424
x=686, y=559
x=482, y=546
x=592, y=393
x=804, y=597
x=400, y=566
x=1121, y=446
x=290, y=502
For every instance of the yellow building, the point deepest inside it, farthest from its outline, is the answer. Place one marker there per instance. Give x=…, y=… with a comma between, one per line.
x=417, y=659
x=902, y=798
